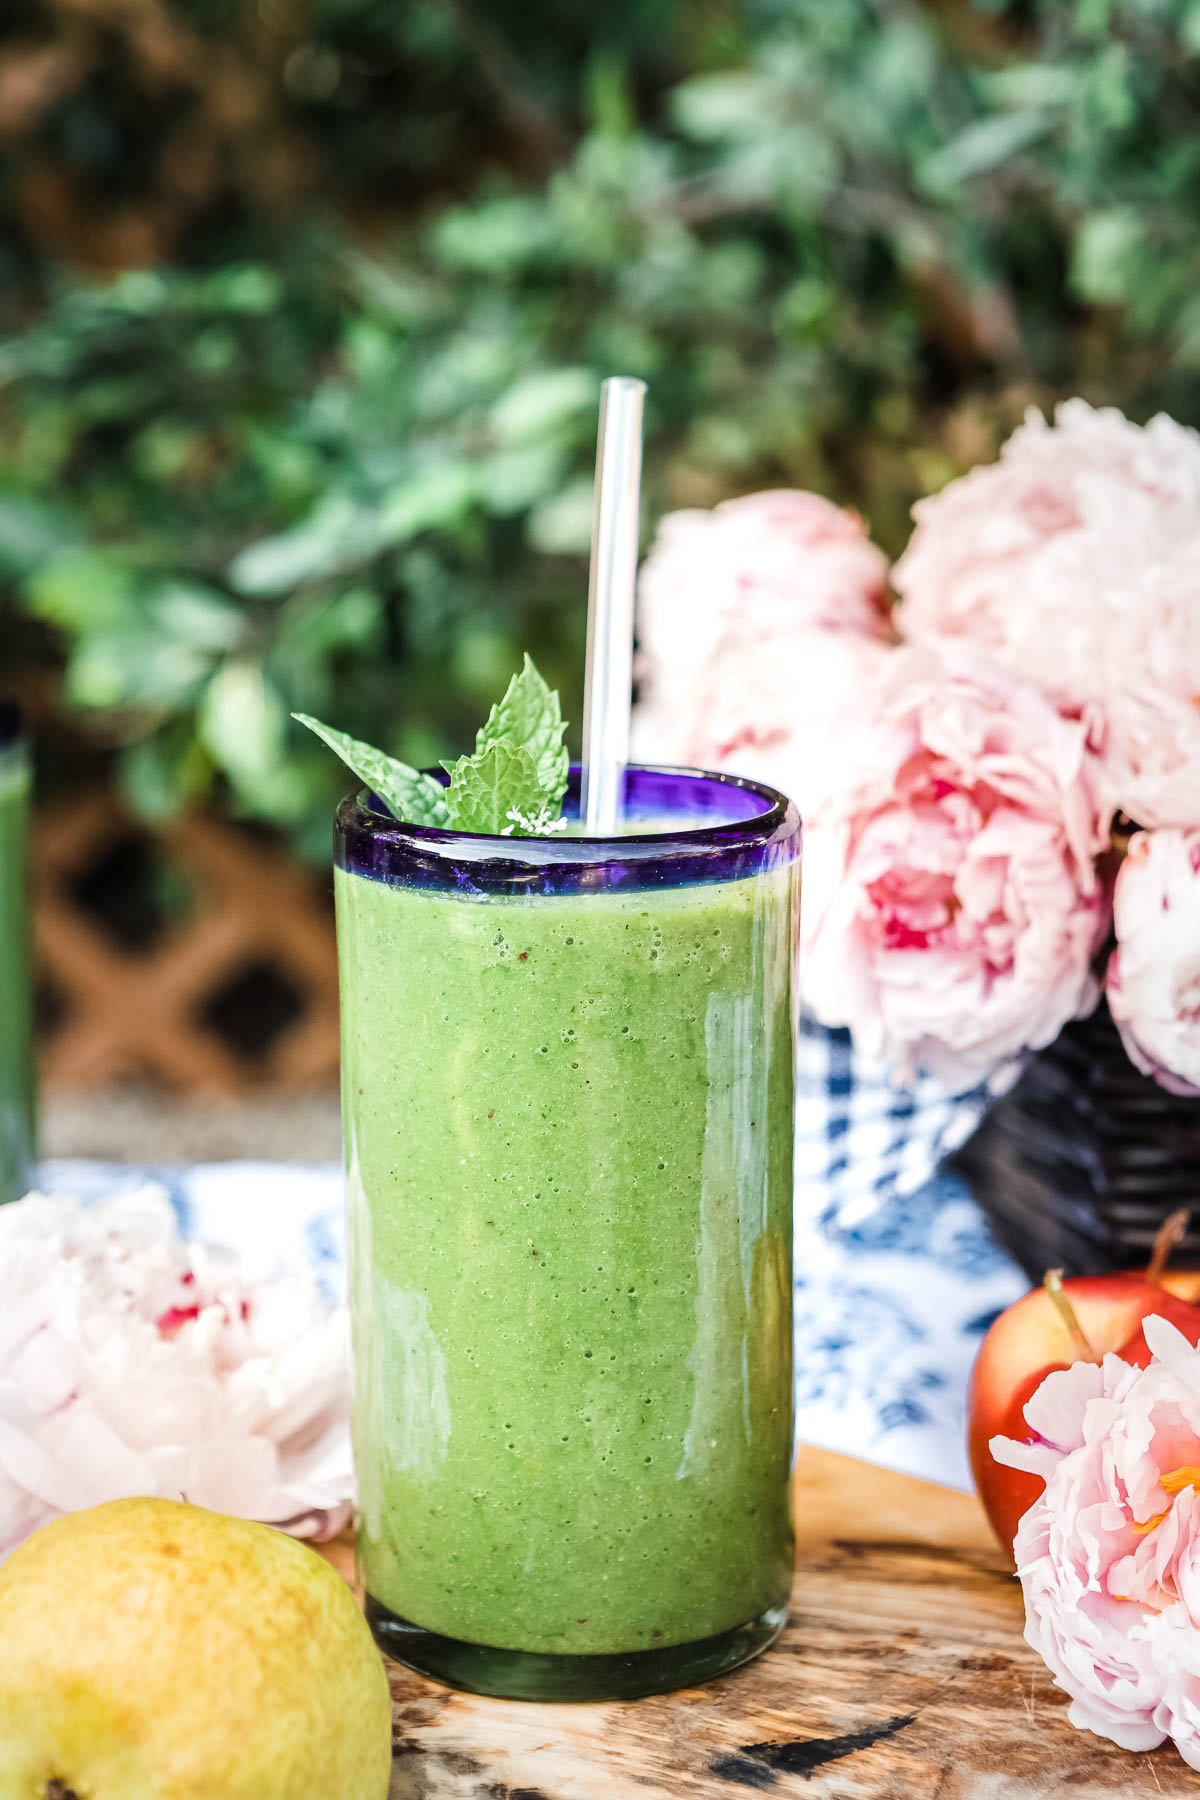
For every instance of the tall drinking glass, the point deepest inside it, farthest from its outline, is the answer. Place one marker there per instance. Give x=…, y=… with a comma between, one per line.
x=567, y=1094
x=16, y=1006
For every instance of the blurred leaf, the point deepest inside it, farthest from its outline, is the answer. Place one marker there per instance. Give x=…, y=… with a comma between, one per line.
x=242, y=288
x=372, y=353
x=328, y=624
x=1109, y=255
x=293, y=469
x=242, y=723
x=130, y=668
x=562, y=525
x=242, y=719
x=542, y=402
x=514, y=480
x=495, y=238
x=139, y=291
x=1187, y=336
x=805, y=309
x=1093, y=17
x=159, y=775
x=713, y=107
x=984, y=145
x=1029, y=86
x=30, y=532
x=83, y=591
x=214, y=351
x=436, y=498
x=164, y=449
x=196, y=615
x=611, y=103
x=1105, y=97
x=333, y=532
x=402, y=296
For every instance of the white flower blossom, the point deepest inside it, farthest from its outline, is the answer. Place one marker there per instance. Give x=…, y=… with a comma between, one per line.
x=1109, y=1556
x=542, y=823
x=133, y=1362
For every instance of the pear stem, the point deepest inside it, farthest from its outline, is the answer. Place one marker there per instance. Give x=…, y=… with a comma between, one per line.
x=1053, y=1284
x=1168, y=1238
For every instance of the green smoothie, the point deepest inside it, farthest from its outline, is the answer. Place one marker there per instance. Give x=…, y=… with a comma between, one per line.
x=16, y=1057
x=569, y=1142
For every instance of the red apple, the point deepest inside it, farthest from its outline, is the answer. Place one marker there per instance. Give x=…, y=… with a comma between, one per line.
x=1031, y=1339
x=1180, y=1312
x=1183, y=1283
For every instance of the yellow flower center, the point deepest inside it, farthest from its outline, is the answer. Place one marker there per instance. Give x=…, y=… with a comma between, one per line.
x=1174, y=1482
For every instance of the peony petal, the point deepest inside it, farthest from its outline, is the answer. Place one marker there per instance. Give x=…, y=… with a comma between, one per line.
x=1172, y=1349
x=1057, y=1412
x=1034, y=1457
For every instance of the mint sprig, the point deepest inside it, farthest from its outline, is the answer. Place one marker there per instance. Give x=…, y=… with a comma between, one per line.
x=513, y=785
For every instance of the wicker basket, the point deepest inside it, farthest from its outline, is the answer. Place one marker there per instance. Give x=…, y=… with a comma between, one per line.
x=1079, y=1164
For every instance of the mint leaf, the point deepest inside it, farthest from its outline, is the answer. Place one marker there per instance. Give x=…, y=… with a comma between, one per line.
x=530, y=716
x=513, y=786
x=498, y=790
x=415, y=799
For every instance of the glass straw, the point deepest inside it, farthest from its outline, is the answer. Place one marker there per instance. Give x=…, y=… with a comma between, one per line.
x=608, y=684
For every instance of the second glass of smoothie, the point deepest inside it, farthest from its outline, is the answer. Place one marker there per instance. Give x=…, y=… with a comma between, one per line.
x=567, y=1081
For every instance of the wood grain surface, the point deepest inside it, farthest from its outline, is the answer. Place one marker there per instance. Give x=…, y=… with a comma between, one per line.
x=902, y=1674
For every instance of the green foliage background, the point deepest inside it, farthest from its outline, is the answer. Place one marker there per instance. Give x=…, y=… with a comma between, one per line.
x=306, y=308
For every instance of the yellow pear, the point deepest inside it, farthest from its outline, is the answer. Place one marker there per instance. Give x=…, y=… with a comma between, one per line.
x=150, y=1650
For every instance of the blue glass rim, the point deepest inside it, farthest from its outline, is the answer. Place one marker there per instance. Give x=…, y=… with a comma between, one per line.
x=728, y=828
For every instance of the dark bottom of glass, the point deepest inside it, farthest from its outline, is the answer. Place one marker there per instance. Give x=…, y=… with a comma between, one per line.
x=531, y=1675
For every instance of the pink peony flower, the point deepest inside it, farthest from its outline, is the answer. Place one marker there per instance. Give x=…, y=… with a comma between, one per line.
x=1015, y=554
x=1152, y=684
x=1154, y=974
x=1075, y=558
x=1109, y=1556
x=770, y=709
x=736, y=610
x=134, y=1363
x=951, y=907
x=724, y=593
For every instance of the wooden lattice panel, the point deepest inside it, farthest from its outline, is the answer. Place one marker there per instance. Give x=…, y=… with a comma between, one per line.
x=146, y=1014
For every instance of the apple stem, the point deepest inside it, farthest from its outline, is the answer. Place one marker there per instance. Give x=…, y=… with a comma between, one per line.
x=1053, y=1284
x=1168, y=1238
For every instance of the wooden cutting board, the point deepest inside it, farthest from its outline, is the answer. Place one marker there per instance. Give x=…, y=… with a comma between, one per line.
x=903, y=1675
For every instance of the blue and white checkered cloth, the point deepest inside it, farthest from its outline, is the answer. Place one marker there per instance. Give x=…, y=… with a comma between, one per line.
x=860, y=1142
x=897, y=1275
